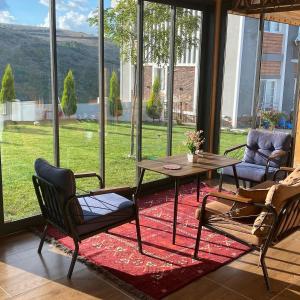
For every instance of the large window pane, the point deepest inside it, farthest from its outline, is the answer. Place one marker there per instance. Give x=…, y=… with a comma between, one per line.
x=77, y=56
x=275, y=108
x=26, y=113
x=186, y=81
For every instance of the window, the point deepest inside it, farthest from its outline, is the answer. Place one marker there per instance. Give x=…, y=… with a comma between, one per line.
x=268, y=94
x=273, y=27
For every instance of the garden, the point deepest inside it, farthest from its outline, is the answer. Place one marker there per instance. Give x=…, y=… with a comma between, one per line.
x=79, y=150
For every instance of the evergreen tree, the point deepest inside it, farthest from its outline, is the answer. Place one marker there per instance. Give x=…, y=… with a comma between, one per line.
x=115, y=105
x=7, y=92
x=154, y=106
x=69, y=99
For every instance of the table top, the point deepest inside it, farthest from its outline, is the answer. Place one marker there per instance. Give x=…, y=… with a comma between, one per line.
x=206, y=162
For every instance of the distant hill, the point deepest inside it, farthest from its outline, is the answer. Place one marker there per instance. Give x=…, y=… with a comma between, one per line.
x=27, y=49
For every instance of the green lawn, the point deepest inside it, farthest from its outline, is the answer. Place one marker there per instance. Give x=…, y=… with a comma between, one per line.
x=79, y=150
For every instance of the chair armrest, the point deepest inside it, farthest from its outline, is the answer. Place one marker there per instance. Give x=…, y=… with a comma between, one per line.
x=286, y=170
x=279, y=153
x=117, y=190
x=234, y=148
x=235, y=198
x=86, y=174
x=89, y=175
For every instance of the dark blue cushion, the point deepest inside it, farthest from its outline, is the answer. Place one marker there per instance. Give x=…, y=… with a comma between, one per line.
x=64, y=182
x=250, y=172
x=104, y=210
x=267, y=143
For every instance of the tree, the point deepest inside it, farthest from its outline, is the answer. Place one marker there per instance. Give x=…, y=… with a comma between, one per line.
x=7, y=92
x=120, y=27
x=69, y=98
x=154, y=106
x=115, y=105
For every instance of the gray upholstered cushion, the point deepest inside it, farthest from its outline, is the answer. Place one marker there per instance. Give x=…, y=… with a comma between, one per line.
x=64, y=182
x=104, y=210
x=267, y=143
x=250, y=172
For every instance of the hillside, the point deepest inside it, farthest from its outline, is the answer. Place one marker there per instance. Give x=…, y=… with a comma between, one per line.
x=27, y=49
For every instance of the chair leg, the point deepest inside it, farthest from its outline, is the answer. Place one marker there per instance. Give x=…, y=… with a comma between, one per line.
x=264, y=269
x=198, y=240
x=74, y=257
x=138, y=233
x=220, y=182
x=43, y=239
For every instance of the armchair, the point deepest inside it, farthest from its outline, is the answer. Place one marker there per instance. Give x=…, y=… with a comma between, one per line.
x=80, y=216
x=271, y=212
x=264, y=153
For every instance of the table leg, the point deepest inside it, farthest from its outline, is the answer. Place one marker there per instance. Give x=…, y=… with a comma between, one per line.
x=235, y=177
x=175, y=209
x=138, y=188
x=198, y=187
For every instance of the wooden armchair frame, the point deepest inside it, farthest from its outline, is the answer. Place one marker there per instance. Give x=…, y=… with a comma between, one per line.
x=283, y=223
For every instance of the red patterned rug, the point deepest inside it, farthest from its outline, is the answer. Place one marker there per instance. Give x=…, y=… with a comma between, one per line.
x=165, y=267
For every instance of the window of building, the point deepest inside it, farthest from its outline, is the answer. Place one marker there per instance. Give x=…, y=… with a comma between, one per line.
x=268, y=94
x=273, y=27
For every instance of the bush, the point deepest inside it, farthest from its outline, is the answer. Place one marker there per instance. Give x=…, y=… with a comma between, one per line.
x=7, y=92
x=115, y=104
x=154, y=106
x=69, y=99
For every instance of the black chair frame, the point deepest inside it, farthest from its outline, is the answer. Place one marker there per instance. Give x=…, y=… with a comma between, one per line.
x=269, y=160
x=59, y=215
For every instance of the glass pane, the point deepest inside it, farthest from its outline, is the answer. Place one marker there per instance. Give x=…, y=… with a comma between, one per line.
x=120, y=98
x=26, y=110
x=186, y=78
x=275, y=109
x=154, y=144
x=77, y=55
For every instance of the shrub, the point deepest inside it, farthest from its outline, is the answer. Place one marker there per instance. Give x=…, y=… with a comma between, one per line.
x=7, y=92
x=69, y=98
x=154, y=106
x=115, y=104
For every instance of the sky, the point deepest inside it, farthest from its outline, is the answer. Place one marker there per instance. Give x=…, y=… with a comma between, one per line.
x=70, y=14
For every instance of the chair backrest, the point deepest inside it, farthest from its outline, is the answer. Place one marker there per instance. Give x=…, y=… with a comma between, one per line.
x=53, y=186
x=288, y=219
x=267, y=143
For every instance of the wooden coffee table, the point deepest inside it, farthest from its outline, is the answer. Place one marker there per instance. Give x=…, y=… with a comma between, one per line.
x=205, y=163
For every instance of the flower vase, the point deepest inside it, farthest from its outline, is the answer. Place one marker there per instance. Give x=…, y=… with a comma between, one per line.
x=192, y=157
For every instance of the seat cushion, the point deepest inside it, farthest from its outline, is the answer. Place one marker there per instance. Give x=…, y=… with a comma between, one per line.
x=217, y=214
x=267, y=143
x=250, y=172
x=215, y=207
x=237, y=229
x=64, y=182
x=104, y=210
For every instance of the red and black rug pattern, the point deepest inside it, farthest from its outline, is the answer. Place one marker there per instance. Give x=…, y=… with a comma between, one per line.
x=164, y=267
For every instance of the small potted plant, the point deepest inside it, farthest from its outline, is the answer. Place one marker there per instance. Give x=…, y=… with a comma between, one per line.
x=194, y=142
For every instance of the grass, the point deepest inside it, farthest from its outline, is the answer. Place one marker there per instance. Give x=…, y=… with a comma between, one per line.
x=79, y=150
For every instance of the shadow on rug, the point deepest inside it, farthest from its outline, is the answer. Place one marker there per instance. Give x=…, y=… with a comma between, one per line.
x=164, y=267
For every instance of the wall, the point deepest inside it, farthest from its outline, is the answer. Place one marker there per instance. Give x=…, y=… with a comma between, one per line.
x=247, y=77
x=233, y=53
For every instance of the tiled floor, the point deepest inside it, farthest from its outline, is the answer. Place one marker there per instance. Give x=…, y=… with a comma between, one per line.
x=26, y=275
